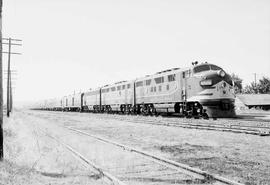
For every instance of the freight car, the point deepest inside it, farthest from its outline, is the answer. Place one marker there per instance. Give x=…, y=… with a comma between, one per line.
x=201, y=90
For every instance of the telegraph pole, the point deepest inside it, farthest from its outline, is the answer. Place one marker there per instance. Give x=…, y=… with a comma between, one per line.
x=255, y=79
x=1, y=89
x=11, y=98
x=8, y=77
x=1, y=85
x=255, y=83
x=10, y=42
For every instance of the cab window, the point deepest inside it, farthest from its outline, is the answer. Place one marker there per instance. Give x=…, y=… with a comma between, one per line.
x=148, y=82
x=201, y=68
x=215, y=68
x=159, y=80
x=171, y=78
x=140, y=83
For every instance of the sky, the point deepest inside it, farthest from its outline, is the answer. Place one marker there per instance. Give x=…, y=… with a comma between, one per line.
x=75, y=45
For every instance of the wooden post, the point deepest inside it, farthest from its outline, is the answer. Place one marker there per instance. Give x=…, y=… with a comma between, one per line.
x=10, y=100
x=1, y=89
x=8, y=78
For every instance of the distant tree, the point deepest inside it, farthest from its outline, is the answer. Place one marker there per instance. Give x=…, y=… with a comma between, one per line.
x=264, y=85
x=237, y=83
x=250, y=89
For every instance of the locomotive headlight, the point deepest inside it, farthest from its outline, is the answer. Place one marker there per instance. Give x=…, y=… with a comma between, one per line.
x=206, y=82
x=221, y=73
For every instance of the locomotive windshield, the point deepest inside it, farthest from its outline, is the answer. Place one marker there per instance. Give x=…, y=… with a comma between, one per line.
x=206, y=67
x=214, y=67
x=201, y=68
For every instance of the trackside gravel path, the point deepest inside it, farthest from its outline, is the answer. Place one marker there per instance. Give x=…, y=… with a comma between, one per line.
x=239, y=157
x=31, y=158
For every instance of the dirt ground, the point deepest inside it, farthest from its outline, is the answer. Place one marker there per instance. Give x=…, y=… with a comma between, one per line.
x=32, y=158
x=240, y=157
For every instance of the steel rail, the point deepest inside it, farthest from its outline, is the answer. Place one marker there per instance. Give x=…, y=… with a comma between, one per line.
x=205, y=126
x=210, y=122
x=209, y=127
x=232, y=125
x=234, y=128
x=112, y=178
x=209, y=177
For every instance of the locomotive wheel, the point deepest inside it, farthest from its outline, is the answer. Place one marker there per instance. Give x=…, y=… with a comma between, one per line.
x=205, y=115
x=106, y=109
x=123, y=109
x=152, y=110
x=128, y=109
x=144, y=110
x=109, y=109
x=147, y=110
x=134, y=110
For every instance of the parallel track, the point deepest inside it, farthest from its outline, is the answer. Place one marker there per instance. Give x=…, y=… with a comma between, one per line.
x=233, y=125
x=197, y=173
x=210, y=125
x=87, y=162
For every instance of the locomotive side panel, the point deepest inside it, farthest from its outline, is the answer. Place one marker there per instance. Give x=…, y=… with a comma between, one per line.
x=117, y=95
x=77, y=101
x=157, y=89
x=65, y=102
x=91, y=99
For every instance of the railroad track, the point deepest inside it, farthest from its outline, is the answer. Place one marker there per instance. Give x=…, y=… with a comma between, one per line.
x=159, y=168
x=261, y=131
x=230, y=125
x=204, y=125
x=87, y=162
x=148, y=168
x=139, y=173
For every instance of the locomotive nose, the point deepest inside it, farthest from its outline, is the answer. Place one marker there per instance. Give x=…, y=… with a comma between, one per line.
x=216, y=77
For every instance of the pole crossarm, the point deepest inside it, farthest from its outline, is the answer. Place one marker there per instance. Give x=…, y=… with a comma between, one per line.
x=13, y=72
x=13, y=53
x=15, y=44
x=12, y=39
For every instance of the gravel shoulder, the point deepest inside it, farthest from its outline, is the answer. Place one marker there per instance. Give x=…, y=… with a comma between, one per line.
x=239, y=157
x=33, y=158
x=39, y=160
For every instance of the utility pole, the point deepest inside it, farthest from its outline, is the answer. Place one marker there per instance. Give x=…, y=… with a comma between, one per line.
x=8, y=78
x=255, y=79
x=10, y=43
x=1, y=89
x=12, y=74
x=255, y=83
x=10, y=87
x=11, y=98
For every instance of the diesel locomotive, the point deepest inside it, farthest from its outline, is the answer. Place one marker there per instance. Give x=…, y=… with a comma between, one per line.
x=201, y=90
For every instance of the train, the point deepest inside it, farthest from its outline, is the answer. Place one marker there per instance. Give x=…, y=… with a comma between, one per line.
x=200, y=90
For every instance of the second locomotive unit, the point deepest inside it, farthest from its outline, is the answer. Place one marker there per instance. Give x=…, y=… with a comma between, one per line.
x=203, y=90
